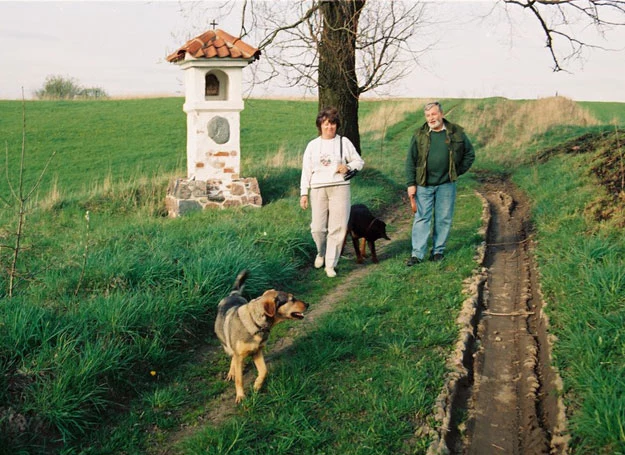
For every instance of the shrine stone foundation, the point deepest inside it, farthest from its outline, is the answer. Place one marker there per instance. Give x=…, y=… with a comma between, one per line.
x=186, y=195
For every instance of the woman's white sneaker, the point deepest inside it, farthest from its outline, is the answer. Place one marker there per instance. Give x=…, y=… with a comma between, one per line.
x=330, y=272
x=318, y=262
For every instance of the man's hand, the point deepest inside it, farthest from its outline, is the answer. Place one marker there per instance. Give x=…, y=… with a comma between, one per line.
x=412, y=193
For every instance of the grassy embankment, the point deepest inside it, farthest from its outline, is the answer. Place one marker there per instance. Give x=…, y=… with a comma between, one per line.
x=97, y=344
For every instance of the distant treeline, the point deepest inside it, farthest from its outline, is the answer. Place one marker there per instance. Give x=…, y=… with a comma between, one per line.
x=65, y=88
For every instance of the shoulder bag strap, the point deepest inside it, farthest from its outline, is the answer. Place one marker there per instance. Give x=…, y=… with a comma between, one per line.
x=341, y=147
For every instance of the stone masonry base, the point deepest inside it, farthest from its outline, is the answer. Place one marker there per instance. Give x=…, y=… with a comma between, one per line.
x=184, y=195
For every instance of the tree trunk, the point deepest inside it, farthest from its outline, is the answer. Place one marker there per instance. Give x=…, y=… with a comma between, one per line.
x=338, y=84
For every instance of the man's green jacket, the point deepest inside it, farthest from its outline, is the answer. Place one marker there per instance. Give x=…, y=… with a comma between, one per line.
x=461, y=153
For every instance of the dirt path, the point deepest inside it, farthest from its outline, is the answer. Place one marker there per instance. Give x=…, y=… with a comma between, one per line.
x=223, y=406
x=503, y=397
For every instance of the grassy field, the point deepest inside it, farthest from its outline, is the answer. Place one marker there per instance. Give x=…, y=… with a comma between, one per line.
x=113, y=301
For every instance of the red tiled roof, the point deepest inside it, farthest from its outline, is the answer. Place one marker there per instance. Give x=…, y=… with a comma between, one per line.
x=215, y=43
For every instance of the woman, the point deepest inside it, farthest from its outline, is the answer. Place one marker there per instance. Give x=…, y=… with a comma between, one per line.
x=327, y=159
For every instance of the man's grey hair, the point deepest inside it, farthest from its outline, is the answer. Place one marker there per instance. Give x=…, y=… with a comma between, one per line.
x=430, y=105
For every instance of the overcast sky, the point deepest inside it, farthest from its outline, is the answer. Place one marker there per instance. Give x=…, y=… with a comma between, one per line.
x=121, y=47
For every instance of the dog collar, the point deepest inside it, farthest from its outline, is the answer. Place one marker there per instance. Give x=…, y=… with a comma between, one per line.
x=369, y=227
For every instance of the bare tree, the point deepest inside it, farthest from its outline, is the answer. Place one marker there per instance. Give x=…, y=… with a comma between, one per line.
x=22, y=199
x=563, y=21
x=337, y=49
x=343, y=48
x=337, y=79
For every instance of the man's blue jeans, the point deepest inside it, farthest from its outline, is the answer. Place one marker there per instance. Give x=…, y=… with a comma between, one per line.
x=437, y=201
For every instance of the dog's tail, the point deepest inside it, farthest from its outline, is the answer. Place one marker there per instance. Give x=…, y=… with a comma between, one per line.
x=237, y=288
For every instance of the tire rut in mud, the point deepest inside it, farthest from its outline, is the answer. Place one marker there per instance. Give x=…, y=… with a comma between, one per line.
x=504, y=400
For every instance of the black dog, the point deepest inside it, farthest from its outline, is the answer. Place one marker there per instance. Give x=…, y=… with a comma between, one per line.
x=365, y=227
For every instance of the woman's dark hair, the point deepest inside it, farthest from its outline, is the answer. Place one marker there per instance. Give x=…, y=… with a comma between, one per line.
x=331, y=114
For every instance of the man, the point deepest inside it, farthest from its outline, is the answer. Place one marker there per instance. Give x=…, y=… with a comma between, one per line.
x=439, y=153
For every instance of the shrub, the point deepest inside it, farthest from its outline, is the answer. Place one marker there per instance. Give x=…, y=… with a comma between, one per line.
x=65, y=88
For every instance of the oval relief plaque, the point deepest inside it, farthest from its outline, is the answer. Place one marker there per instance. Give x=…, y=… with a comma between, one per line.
x=219, y=130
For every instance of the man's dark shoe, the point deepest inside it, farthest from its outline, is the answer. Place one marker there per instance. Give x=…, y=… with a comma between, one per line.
x=436, y=257
x=413, y=261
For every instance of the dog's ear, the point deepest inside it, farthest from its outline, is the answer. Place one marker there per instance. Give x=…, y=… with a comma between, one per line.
x=269, y=305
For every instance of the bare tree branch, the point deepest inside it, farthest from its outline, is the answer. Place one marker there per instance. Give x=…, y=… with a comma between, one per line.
x=268, y=40
x=22, y=200
x=384, y=33
x=343, y=48
x=557, y=17
x=291, y=48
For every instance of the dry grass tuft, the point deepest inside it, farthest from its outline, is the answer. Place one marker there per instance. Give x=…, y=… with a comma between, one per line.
x=282, y=159
x=53, y=197
x=386, y=114
x=516, y=123
x=540, y=115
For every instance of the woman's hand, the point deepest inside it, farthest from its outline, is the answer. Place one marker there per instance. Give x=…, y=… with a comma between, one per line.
x=342, y=169
x=303, y=202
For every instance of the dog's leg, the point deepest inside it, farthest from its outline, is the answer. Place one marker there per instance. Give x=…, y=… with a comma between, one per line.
x=259, y=361
x=363, y=247
x=359, y=259
x=374, y=257
x=237, y=363
x=230, y=376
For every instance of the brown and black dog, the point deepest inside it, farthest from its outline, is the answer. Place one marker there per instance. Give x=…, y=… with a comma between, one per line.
x=243, y=327
x=365, y=227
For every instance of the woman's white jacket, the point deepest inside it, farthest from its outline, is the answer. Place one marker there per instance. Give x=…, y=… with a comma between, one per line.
x=321, y=159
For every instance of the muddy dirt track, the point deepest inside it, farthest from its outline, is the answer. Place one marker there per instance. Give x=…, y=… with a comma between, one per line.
x=503, y=396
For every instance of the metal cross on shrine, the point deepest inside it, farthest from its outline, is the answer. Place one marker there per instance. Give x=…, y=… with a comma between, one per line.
x=214, y=24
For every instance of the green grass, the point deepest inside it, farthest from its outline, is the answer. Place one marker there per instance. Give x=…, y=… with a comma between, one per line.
x=95, y=140
x=101, y=346
x=386, y=352
x=131, y=283
x=607, y=113
x=583, y=279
